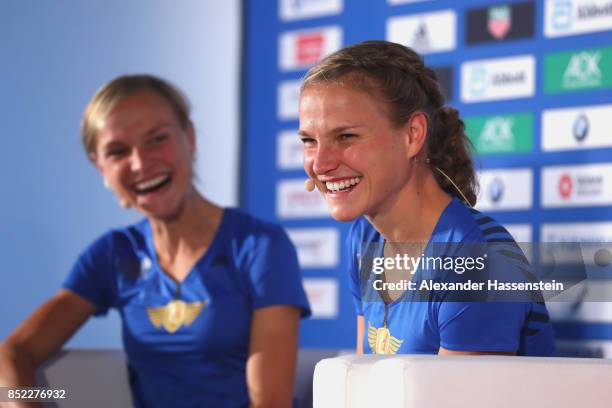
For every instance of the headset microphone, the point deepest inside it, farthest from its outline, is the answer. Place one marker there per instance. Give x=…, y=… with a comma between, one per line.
x=309, y=184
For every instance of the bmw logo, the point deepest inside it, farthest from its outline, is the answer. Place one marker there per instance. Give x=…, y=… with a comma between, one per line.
x=496, y=190
x=581, y=127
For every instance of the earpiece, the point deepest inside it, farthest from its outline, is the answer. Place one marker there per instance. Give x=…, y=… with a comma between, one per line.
x=309, y=184
x=454, y=185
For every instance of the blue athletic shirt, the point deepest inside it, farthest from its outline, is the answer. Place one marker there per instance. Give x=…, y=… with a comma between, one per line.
x=187, y=345
x=422, y=327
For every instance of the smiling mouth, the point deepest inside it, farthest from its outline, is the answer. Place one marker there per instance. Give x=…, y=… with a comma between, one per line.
x=152, y=185
x=343, y=185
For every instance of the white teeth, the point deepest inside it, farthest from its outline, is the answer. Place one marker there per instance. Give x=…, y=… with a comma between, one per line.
x=151, y=183
x=340, y=185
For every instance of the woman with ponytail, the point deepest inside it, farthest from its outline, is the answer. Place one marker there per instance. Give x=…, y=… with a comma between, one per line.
x=388, y=155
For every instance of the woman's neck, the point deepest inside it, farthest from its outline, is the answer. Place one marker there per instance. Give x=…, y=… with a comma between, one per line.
x=191, y=232
x=414, y=213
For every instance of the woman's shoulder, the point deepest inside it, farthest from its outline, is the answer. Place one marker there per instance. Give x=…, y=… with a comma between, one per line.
x=241, y=225
x=461, y=223
x=130, y=236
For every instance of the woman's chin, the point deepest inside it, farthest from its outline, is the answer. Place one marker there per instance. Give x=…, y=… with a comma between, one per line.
x=343, y=215
x=162, y=212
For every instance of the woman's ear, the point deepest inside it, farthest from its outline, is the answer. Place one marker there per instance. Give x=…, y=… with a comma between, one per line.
x=416, y=133
x=93, y=158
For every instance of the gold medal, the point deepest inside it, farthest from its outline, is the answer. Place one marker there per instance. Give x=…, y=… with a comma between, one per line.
x=175, y=314
x=381, y=341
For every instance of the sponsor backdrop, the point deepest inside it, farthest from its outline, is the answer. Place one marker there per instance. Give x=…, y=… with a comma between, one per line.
x=533, y=81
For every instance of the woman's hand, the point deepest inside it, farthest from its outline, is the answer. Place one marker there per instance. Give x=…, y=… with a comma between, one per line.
x=272, y=356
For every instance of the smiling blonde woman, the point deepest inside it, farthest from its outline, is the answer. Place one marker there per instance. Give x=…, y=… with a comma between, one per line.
x=210, y=298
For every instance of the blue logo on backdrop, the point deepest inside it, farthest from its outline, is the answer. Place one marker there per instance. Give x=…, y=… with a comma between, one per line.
x=581, y=128
x=562, y=14
x=496, y=190
x=478, y=80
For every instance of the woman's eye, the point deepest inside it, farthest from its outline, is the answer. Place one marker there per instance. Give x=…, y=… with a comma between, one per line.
x=157, y=139
x=308, y=140
x=346, y=136
x=116, y=153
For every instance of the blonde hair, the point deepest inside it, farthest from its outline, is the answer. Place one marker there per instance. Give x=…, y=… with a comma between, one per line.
x=110, y=94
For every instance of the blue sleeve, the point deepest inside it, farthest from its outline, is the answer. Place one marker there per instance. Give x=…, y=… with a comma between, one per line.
x=481, y=326
x=490, y=325
x=275, y=273
x=352, y=257
x=91, y=275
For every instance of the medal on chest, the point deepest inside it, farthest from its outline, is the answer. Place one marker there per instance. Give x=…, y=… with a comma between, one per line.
x=176, y=313
x=381, y=341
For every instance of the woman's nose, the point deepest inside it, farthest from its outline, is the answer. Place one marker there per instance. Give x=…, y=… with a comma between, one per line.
x=137, y=160
x=325, y=159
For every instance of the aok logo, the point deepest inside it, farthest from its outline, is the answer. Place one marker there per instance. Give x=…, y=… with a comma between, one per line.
x=583, y=70
x=576, y=70
x=497, y=133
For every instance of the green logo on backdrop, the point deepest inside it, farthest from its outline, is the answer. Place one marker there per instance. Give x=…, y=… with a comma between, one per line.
x=577, y=70
x=501, y=133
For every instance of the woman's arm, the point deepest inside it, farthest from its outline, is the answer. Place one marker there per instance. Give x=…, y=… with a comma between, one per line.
x=41, y=335
x=477, y=328
x=272, y=356
x=360, y=333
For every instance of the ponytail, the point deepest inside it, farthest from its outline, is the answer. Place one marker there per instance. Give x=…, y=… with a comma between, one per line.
x=449, y=150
